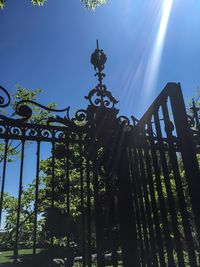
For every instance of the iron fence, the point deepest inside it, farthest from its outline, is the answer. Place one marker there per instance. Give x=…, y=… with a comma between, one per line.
x=110, y=192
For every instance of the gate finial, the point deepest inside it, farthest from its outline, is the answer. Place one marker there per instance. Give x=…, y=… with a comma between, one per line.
x=100, y=96
x=97, y=41
x=98, y=60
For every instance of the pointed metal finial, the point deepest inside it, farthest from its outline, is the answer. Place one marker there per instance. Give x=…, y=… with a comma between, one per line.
x=97, y=42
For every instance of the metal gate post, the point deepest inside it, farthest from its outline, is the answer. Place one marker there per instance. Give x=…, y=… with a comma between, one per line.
x=128, y=234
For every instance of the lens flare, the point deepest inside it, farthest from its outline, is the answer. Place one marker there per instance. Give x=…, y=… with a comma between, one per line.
x=153, y=64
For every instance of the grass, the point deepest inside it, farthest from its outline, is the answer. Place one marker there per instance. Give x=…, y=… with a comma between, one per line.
x=6, y=257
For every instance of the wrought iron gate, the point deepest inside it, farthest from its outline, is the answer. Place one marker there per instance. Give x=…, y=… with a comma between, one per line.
x=119, y=193
x=165, y=176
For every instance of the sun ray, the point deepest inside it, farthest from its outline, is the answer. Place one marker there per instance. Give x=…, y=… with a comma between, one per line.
x=152, y=69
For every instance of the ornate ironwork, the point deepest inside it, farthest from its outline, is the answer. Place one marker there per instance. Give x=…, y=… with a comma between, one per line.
x=128, y=173
x=22, y=108
x=3, y=102
x=101, y=110
x=99, y=96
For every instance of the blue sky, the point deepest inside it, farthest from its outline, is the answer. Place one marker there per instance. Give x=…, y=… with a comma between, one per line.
x=50, y=48
x=148, y=43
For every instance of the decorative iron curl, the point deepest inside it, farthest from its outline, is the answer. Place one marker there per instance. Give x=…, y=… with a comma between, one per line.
x=16, y=130
x=100, y=97
x=81, y=116
x=46, y=133
x=124, y=120
x=24, y=111
x=169, y=126
x=2, y=129
x=60, y=134
x=3, y=102
x=31, y=132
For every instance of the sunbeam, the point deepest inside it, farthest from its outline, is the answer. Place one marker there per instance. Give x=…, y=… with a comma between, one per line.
x=152, y=69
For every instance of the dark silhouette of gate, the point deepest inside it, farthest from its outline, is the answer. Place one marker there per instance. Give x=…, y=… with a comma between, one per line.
x=128, y=194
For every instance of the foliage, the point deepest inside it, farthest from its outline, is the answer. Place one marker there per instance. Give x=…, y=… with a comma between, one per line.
x=87, y=3
x=38, y=2
x=28, y=195
x=10, y=203
x=38, y=116
x=196, y=101
x=93, y=3
x=47, y=224
x=26, y=220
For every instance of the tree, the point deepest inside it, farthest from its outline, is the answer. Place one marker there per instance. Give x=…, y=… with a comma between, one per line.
x=87, y=3
x=45, y=191
x=10, y=202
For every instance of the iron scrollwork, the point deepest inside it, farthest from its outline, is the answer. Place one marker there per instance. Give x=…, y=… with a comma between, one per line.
x=3, y=102
x=101, y=108
x=99, y=96
x=22, y=109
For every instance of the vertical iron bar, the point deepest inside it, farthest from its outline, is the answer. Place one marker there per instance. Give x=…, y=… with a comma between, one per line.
x=16, y=255
x=135, y=176
x=170, y=197
x=89, y=261
x=156, y=219
x=3, y=178
x=98, y=219
x=163, y=209
x=179, y=188
x=142, y=210
x=82, y=205
x=111, y=150
x=36, y=198
x=67, y=195
x=112, y=218
x=67, y=179
x=153, y=258
x=114, y=246
x=53, y=186
x=53, y=176
x=128, y=232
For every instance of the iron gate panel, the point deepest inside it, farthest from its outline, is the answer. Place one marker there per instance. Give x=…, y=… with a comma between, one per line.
x=167, y=218
x=129, y=193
